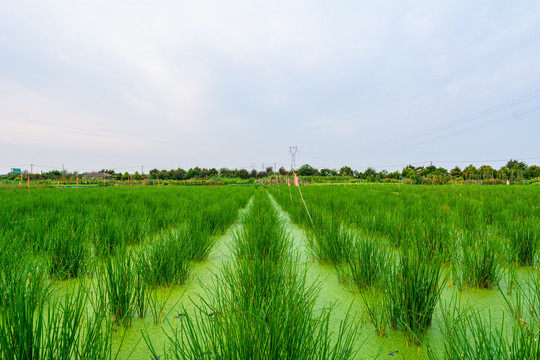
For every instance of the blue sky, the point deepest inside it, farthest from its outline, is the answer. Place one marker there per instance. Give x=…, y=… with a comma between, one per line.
x=167, y=84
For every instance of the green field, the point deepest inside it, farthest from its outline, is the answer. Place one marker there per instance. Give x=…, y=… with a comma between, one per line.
x=244, y=272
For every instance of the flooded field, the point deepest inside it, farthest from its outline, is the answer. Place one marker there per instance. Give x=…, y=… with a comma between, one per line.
x=245, y=272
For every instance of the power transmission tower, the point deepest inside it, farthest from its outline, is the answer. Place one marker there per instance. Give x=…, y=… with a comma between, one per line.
x=293, y=150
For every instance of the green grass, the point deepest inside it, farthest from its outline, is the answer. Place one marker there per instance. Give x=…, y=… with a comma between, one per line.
x=259, y=307
x=37, y=324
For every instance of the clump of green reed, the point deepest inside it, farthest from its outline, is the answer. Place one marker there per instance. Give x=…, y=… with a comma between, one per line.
x=282, y=324
x=523, y=244
x=156, y=302
x=376, y=308
x=165, y=260
x=34, y=324
x=366, y=263
x=67, y=253
x=330, y=241
x=468, y=334
x=525, y=302
x=480, y=264
x=263, y=235
x=24, y=290
x=261, y=307
x=76, y=333
x=196, y=237
x=510, y=278
x=122, y=286
x=413, y=289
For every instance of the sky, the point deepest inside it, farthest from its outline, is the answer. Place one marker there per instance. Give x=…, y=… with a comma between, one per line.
x=167, y=84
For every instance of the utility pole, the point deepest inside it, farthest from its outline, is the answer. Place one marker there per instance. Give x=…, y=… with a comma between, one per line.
x=31, y=168
x=293, y=150
x=275, y=168
x=142, y=169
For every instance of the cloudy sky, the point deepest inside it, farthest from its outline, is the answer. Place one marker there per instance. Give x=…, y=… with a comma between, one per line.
x=167, y=84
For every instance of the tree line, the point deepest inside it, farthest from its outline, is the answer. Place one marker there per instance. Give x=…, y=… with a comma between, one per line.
x=511, y=172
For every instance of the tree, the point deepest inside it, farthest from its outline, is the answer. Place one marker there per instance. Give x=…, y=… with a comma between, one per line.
x=532, y=171
x=153, y=173
x=456, y=172
x=345, y=171
x=516, y=165
x=486, y=172
x=194, y=173
x=370, y=173
x=328, y=172
x=306, y=170
x=179, y=174
x=212, y=172
x=409, y=172
x=470, y=172
x=242, y=174
x=394, y=175
x=428, y=170
x=282, y=171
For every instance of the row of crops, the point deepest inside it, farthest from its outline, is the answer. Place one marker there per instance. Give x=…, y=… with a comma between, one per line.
x=260, y=305
x=401, y=248
x=80, y=265
x=84, y=270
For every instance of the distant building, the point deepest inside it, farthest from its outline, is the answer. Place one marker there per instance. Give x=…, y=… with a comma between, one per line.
x=97, y=175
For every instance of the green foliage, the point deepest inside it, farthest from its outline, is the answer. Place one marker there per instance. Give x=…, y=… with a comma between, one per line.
x=330, y=242
x=366, y=263
x=122, y=287
x=165, y=260
x=260, y=307
x=413, y=291
x=34, y=324
x=307, y=170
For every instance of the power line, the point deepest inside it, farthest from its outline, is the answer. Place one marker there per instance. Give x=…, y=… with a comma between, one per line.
x=445, y=161
x=422, y=134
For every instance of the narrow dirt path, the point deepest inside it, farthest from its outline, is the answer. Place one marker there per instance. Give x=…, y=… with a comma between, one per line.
x=183, y=296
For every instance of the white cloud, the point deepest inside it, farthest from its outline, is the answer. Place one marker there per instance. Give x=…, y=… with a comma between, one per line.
x=192, y=75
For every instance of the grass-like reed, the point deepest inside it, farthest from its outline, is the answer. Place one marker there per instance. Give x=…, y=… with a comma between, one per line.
x=413, y=290
x=165, y=260
x=122, y=287
x=366, y=263
x=261, y=307
x=67, y=254
x=481, y=266
x=524, y=243
x=468, y=334
x=329, y=241
x=34, y=324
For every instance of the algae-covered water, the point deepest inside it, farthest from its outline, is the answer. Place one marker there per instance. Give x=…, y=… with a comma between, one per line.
x=345, y=302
